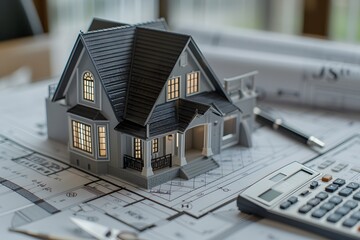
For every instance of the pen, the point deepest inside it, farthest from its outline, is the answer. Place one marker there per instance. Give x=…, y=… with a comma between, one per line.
x=39, y=235
x=279, y=125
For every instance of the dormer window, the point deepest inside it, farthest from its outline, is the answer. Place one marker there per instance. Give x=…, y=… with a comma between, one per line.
x=192, y=83
x=88, y=86
x=173, y=90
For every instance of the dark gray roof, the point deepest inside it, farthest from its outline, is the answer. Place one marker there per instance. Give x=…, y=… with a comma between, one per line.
x=98, y=23
x=171, y=116
x=132, y=129
x=86, y=112
x=216, y=100
x=155, y=55
x=111, y=51
x=134, y=64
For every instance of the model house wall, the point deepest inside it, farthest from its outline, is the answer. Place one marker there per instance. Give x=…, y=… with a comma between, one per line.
x=146, y=111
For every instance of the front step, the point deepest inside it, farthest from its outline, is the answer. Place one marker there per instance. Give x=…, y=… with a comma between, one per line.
x=197, y=167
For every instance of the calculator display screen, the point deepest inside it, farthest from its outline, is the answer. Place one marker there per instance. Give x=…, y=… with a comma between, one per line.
x=285, y=185
x=270, y=195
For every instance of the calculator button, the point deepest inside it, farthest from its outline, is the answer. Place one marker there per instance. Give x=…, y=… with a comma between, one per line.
x=350, y=204
x=304, y=209
x=304, y=193
x=314, y=184
x=339, y=181
x=322, y=195
x=313, y=202
x=353, y=185
x=293, y=199
x=326, y=178
x=285, y=205
x=345, y=192
x=335, y=200
x=356, y=215
x=357, y=196
x=327, y=206
x=339, y=167
x=326, y=164
x=350, y=222
x=318, y=213
x=334, y=217
x=343, y=210
x=331, y=188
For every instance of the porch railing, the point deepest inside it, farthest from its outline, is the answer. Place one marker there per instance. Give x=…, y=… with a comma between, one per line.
x=161, y=162
x=156, y=163
x=133, y=163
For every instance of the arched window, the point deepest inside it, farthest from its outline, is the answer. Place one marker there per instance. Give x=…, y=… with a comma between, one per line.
x=88, y=86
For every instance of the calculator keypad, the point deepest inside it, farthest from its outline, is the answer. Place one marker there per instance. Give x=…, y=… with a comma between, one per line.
x=329, y=201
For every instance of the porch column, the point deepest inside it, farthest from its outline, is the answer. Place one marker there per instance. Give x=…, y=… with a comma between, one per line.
x=147, y=169
x=181, y=160
x=206, y=151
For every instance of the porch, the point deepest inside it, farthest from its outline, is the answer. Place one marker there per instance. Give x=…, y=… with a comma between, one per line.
x=156, y=163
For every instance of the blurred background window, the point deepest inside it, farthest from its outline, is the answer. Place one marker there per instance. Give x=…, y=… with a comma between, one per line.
x=62, y=20
x=333, y=19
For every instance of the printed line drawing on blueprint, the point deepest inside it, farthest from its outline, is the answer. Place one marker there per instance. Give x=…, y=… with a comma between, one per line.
x=38, y=193
x=43, y=190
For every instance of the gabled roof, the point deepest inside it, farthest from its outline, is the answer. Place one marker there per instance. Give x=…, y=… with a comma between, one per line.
x=155, y=55
x=98, y=23
x=111, y=52
x=167, y=117
x=134, y=63
x=216, y=100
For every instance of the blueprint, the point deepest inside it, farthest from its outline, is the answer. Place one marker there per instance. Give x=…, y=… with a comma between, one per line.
x=40, y=191
x=301, y=70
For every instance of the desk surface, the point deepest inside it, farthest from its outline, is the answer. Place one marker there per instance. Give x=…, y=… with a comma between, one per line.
x=34, y=168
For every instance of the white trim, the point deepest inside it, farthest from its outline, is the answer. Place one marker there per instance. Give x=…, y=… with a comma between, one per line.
x=76, y=70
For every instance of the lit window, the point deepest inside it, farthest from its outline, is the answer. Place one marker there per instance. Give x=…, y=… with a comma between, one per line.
x=102, y=141
x=137, y=148
x=173, y=88
x=192, y=85
x=88, y=86
x=82, y=136
x=155, y=145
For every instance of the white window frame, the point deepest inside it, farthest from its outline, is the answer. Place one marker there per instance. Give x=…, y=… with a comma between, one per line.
x=188, y=79
x=83, y=139
x=231, y=135
x=106, y=141
x=83, y=86
x=168, y=86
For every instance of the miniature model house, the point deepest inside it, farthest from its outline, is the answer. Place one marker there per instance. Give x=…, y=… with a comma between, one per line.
x=142, y=104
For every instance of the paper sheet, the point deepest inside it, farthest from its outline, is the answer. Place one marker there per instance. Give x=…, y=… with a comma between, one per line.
x=40, y=193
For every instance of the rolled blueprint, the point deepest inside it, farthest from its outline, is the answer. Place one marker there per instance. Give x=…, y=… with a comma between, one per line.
x=293, y=79
x=270, y=42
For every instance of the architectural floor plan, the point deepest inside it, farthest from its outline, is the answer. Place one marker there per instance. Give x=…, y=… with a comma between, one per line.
x=40, y=191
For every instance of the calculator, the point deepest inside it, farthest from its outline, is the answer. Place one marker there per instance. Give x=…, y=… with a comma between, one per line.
x=302, y=197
